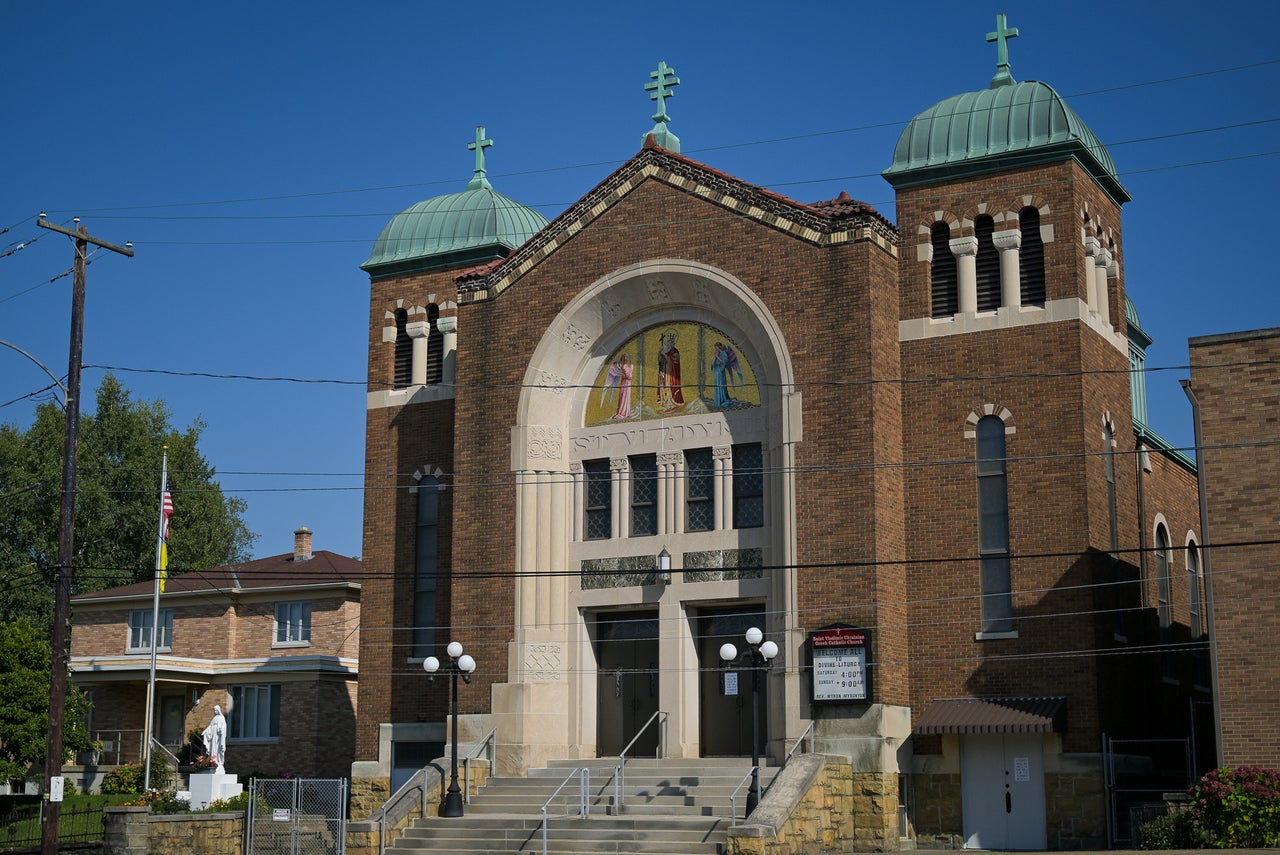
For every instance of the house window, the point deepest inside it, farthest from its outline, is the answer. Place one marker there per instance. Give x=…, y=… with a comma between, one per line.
x=987, y=265
x=945, y=293
x=1031, y=258
x=644, y=495
x=255, y=712
x=993, y=527
x=598, y=524
x=293, y=623
x=748, y=486
x=140, y=630
x=404, y=351
x=425, y=569
x=700, y=490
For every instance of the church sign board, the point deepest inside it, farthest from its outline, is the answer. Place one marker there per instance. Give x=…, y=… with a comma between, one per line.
x=839, y=658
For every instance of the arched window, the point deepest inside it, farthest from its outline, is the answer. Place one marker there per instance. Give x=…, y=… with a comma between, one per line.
x=435, y=346
x=993, y=526
x=945, y=293
x=426, y=566
x=1031, y=258
x=404, y=351
x=1109, y=456
x=1193, y=588
x=1164, y=588
x=988, y=265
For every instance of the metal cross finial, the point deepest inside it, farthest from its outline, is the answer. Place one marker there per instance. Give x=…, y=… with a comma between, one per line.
x=1001, y=37
x=478, y=180
x=660, y=89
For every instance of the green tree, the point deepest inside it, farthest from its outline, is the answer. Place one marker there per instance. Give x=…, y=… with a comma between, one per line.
x=24, y=702
x=117, y=502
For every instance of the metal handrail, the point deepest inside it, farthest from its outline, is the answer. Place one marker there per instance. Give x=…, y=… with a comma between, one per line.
x=733, y=797
x=619, y=771
x=800, y=740
x=584, y=801
x=808, y=733
x=491, y=743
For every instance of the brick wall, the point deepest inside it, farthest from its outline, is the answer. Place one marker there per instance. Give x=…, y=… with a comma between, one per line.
x=1237, y=381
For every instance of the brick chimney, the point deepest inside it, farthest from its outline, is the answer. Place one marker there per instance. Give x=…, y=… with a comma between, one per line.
x=302, y=544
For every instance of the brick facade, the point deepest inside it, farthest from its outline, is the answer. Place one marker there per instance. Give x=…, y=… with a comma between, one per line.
x=224, y=635
x=877, y=524
x=1237, y=383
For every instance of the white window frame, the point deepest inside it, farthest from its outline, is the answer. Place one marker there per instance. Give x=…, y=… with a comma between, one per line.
x=293, y=624
x=139, y=639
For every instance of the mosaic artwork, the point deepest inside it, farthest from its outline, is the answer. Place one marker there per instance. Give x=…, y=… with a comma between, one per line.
x=673, y=370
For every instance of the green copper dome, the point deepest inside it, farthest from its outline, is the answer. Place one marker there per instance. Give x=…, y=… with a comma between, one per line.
x=1010, y=125
x=471, y=227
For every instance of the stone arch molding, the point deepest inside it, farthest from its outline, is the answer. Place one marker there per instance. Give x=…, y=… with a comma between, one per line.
x=616, y=307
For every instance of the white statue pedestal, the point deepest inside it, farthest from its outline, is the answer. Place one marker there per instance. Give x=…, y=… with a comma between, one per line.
x=208, y=787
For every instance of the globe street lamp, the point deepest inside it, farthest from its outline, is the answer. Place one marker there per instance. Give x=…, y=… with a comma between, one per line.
x=464, y=665
x=756, y=657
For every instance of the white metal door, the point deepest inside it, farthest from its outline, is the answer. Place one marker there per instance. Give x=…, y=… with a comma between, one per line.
x=1002, y=788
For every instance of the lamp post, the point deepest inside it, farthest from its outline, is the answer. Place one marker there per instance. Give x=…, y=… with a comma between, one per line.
x=756, y=657
x=464, y=665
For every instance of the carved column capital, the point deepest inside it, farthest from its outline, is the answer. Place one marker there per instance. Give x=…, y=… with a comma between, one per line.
x=447, y=325
x=963, y=246
x=1007, y=239
x=1092, y=247
x=418, y=329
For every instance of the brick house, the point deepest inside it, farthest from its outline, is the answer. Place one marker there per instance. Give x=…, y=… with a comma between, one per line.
x=927, y=432
x=274, y=641
x=1235, y=379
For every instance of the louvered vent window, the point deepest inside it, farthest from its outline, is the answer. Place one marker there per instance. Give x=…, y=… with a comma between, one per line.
x=404, y=351
x=1032, y=258
x=435, y=346
x=988, y=265
x=946, y=298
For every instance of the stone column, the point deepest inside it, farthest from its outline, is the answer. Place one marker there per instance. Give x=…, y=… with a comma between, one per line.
x=666, y=493
x=1103, y=260
x=1009, y=242
x=965, y=249
x=418, y=331
x=671, y=497
x=620, y=499
x=1092, y=249
x=722, y=460
x=448, y=327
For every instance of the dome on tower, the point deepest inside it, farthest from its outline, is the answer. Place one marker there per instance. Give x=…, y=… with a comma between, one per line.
x=1005, y=126
x=999, y=128
x=477, y=225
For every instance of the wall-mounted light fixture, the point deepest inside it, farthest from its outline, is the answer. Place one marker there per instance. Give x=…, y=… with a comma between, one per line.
x=664, y=567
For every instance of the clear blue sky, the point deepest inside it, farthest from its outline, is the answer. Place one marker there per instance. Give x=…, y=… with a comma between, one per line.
x=252, y=153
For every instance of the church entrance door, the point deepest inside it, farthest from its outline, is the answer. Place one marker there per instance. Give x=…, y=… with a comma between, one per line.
x=726, y=719
x=627, y=692
x=1002, y=791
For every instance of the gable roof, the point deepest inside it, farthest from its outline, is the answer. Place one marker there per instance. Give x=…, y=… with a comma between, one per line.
x=262, y=574
x=839, y=221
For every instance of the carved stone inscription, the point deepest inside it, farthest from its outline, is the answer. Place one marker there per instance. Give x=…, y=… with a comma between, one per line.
x=543, y=662
x=658, y=435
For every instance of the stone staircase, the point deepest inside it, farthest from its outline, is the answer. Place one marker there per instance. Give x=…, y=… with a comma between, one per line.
x=675, y=807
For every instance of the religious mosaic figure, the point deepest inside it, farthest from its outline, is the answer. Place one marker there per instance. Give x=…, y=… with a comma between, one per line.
x=725, y=373
x=670, y=395
x=618, y=384
x=215, y=739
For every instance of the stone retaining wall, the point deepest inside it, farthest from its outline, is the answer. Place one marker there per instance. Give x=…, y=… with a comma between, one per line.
x=134, y=831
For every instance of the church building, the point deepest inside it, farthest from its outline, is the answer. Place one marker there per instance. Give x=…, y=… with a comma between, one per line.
x=912, y=451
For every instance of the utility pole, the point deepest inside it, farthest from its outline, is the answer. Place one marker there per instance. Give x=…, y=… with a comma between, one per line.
x=66, y=535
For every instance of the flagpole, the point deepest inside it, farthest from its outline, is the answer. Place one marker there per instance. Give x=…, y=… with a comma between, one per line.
x=155, y=624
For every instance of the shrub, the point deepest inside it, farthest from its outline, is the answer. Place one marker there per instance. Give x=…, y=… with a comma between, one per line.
x=128, y=779
x=1175, y=830
x=1238, y=808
